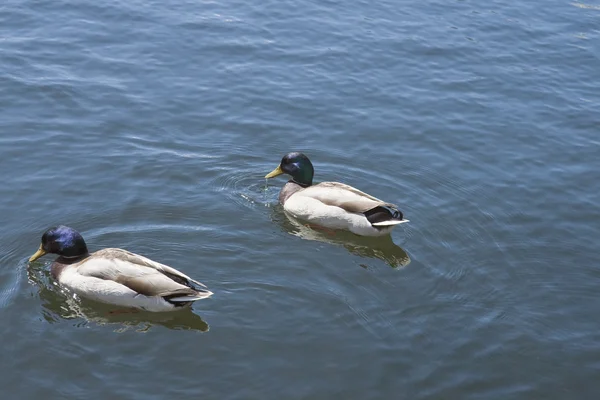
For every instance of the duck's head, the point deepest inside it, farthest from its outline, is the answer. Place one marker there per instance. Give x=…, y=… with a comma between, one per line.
x=61, y=240
x=298, y=166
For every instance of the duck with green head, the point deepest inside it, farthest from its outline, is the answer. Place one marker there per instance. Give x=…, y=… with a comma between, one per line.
x=332, y=205
x=116, y=276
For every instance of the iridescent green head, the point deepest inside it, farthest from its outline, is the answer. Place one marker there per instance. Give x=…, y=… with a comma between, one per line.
x=298, y=166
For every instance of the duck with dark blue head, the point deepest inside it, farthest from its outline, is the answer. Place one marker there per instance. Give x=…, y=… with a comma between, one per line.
x=117, y=276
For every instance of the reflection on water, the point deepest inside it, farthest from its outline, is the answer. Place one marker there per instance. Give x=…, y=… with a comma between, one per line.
x=58, y=303
x=382, y=247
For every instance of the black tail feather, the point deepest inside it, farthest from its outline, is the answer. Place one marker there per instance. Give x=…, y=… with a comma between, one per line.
x=382, y=213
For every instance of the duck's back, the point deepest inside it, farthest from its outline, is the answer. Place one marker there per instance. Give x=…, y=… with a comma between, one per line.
x=344, y=196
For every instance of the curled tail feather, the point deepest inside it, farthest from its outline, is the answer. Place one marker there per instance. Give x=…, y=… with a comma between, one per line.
x=384, y=216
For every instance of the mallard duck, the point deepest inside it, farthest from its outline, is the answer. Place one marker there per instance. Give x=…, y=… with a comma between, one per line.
x=116, y=276
x=332, y=204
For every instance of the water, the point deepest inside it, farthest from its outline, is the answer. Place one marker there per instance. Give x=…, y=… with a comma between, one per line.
x=150, y=126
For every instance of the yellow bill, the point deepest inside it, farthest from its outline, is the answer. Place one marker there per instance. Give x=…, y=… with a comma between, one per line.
x=37, y=254
x=276, y=172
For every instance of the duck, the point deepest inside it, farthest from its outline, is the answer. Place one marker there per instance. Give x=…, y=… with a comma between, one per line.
x=116, y=276
x=332, y=205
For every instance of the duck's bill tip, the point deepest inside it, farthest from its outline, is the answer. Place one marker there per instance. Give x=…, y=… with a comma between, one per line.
x=41, y=252
x=276, y=172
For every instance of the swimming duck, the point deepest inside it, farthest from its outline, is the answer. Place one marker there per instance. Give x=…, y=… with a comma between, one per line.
x=332, y=204
x=116, y=276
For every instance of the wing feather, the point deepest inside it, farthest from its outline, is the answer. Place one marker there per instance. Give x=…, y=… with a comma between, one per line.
x=344, y=196
x=139, y=273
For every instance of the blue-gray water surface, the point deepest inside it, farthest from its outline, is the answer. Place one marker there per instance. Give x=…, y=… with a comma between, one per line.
x=150, y=125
